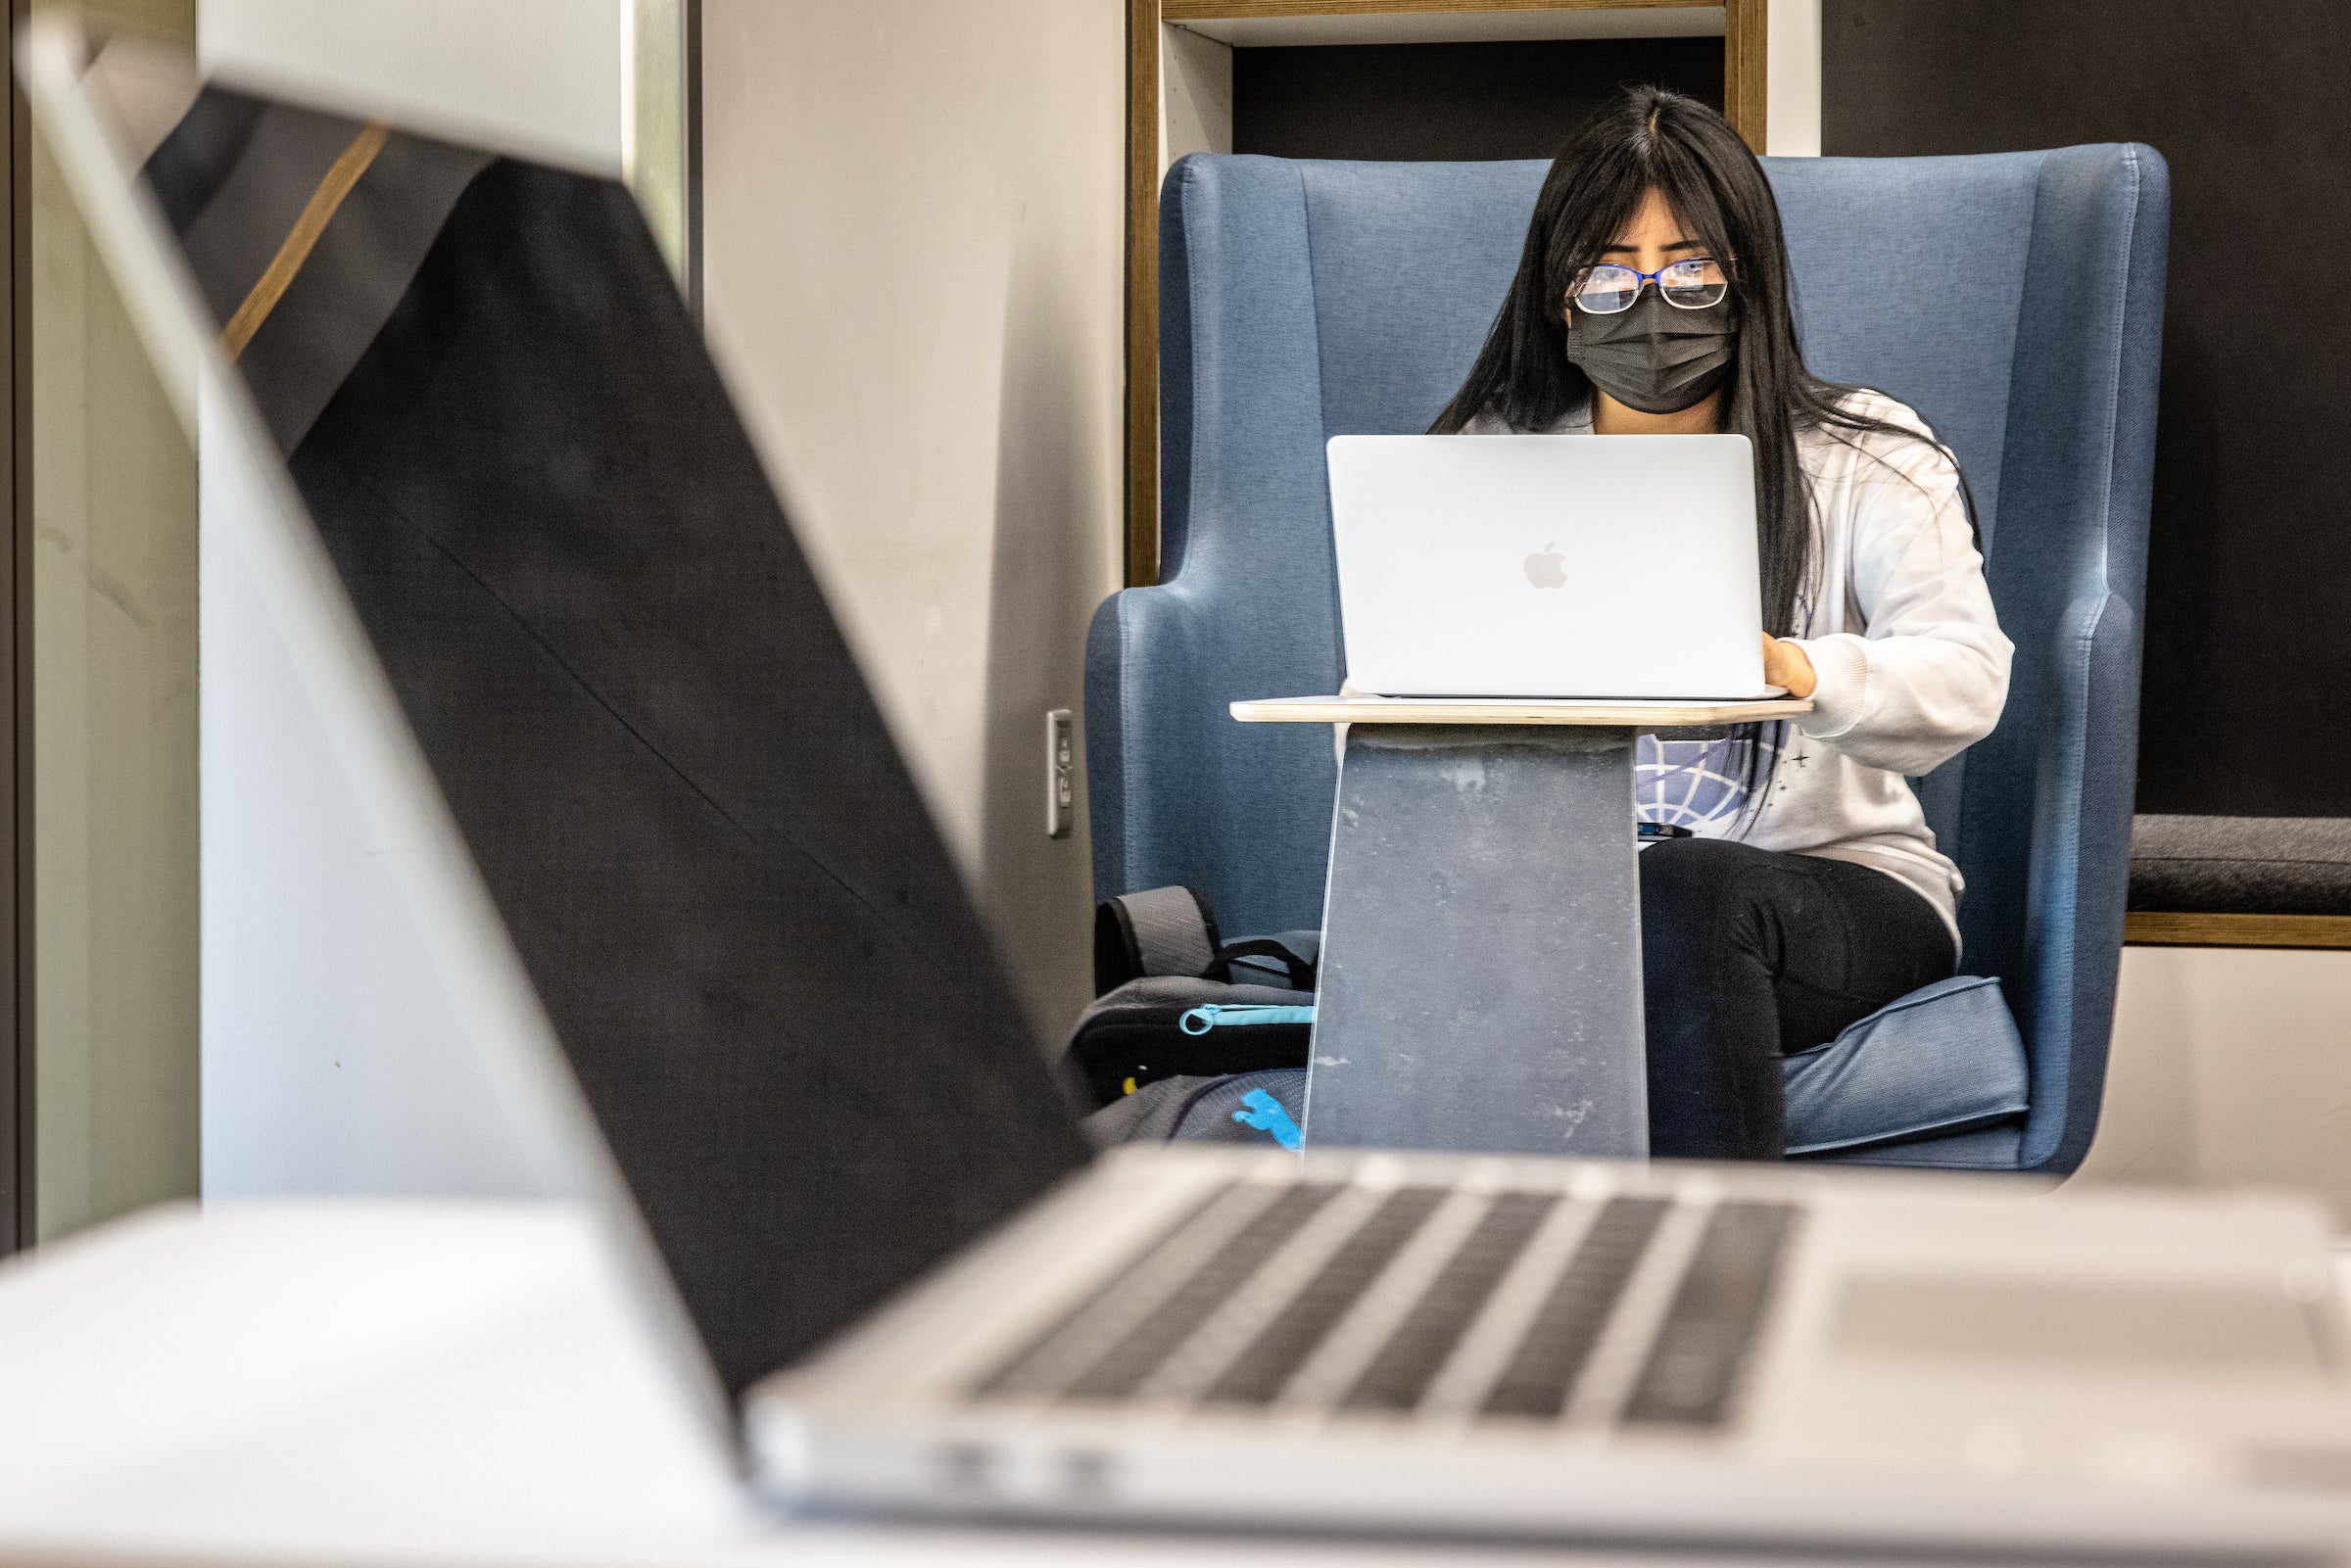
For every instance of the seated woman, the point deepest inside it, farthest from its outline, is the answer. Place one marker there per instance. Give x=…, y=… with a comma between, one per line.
x=1653, y=297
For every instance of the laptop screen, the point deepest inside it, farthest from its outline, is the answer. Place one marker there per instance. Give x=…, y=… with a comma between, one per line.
x=682, y=798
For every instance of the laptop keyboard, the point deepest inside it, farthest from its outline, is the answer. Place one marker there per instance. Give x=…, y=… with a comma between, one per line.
x=1632, y=1311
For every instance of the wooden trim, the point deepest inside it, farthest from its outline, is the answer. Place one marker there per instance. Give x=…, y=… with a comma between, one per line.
x=1746, y=56
x=1142, y=292
x=310, y=225
x=1239, y=10
x=2155, y=928
x=1745, y=68
x=17, y=1216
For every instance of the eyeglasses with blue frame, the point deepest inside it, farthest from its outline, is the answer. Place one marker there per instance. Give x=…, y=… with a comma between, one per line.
x=1692, y=283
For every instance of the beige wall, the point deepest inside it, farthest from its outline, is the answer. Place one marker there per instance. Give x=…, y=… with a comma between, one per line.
x=1792, y=80
x=114, y=855
x=912, y=224
x=2230, y=1066
x=1195, y=94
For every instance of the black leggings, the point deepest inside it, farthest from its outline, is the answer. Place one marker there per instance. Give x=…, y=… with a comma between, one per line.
x=1747, y=954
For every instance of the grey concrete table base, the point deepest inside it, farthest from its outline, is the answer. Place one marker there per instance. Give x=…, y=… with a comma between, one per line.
x=1481, y=956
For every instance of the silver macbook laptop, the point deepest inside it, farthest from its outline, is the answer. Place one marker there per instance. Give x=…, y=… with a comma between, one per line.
x=1548, y=566
x=727, y=956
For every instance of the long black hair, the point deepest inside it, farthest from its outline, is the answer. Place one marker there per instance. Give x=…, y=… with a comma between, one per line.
x=1650, y=139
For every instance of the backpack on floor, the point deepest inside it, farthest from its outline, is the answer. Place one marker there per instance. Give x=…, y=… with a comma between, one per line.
x=1174, y=1001
x=1266, y=1108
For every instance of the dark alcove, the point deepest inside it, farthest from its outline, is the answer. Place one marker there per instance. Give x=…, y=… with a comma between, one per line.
x=1448, y=101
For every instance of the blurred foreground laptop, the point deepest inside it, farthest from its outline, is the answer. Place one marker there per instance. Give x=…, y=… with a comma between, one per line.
x=499, y=507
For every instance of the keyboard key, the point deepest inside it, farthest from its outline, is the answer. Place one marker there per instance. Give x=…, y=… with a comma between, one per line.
x=1259, y=1372
x=1398, y=1375
x=1542, y=1372
x=1140, y=1352
x=1695, y=1360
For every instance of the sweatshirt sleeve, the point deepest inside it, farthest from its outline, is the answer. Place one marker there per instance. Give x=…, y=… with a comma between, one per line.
x=1930, y=675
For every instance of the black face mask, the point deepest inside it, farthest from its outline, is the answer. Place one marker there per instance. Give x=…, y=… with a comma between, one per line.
x=1655, y=358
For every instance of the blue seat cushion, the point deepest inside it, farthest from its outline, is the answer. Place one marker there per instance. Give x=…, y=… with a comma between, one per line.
x=1985, y=1148
x=1943, y=1059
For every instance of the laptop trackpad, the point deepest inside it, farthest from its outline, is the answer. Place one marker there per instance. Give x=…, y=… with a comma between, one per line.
x=2216, y=1327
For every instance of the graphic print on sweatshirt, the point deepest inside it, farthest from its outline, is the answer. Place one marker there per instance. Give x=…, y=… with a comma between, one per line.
x=1697, y=779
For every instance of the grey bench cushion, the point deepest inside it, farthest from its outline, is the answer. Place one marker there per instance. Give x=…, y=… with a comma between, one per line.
x=2242, y=865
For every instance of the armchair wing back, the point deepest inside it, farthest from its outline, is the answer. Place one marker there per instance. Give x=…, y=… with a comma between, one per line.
x=2015, y=300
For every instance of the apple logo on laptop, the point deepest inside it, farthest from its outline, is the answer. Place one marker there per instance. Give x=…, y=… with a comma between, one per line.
x=1543, y=568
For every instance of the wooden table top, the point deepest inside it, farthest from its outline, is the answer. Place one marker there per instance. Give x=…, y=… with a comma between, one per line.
x=1619, y=712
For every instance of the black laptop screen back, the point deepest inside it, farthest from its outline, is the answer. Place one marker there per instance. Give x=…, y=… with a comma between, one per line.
x=733, y=905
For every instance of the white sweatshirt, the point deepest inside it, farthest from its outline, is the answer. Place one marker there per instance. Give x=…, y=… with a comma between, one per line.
x=1913, y=666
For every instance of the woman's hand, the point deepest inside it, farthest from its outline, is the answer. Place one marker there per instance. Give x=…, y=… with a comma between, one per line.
x=1784, y=665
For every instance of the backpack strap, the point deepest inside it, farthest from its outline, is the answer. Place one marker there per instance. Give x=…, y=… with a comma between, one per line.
x=1161, y=930
x=1297, y=966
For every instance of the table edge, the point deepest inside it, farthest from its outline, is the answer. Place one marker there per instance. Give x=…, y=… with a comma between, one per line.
x=1503, y=711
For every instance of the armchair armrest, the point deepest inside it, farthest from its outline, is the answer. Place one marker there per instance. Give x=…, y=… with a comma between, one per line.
x=2081, y=872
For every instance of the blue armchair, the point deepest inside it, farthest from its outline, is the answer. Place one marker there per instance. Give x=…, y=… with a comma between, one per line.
x=2014, y=298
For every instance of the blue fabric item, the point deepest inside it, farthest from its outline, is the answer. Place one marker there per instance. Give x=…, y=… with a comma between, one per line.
x=1945, y=1058
x=2014, y=298
x=1986, y=1149
x=1268, y=1115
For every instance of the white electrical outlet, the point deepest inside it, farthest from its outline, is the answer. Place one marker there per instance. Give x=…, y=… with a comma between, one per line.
x=1061, y=773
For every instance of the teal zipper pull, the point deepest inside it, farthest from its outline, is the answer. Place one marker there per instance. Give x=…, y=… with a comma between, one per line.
x=1214, y=1014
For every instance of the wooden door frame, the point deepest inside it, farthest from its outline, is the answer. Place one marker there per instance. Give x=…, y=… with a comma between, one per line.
x=1745, y=55
x=17, y=1213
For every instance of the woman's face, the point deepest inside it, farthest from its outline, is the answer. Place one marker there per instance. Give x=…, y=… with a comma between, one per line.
x=1652, y=354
